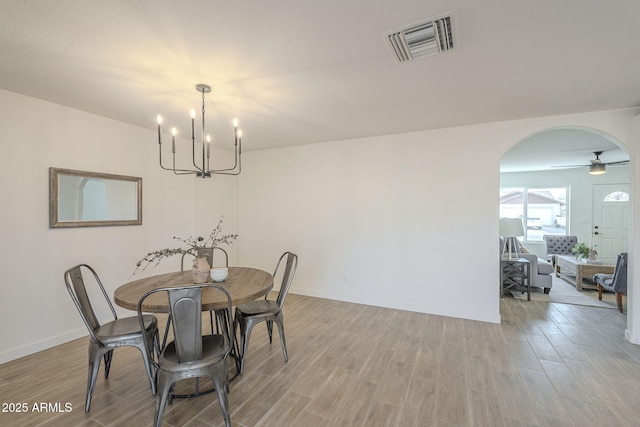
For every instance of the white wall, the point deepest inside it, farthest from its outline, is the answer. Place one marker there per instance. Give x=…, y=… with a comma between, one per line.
x=35, y=309
x=408, y=221
x=375, y=221
x=632, y=333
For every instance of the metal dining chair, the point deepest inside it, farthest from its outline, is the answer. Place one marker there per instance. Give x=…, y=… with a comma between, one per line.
x=250, y=314
x=191, y=355
x=105, y=337
x=208, y=253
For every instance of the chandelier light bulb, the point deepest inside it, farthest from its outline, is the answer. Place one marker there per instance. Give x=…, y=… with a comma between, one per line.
x=193, y=113
x=159, y=119
x=235, y=122
x=174, y=131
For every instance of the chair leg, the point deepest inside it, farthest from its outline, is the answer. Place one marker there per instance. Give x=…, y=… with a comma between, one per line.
x=619, y=301
x=108, y=356
x=270, y=330
x=245, y=334
x=220, y=381
x=149, y=368
x=156, y=343
x=94, y=365
x=161, y=399
x=236, y=344
x=211, y=322
x=599, y=292
x=283, y=341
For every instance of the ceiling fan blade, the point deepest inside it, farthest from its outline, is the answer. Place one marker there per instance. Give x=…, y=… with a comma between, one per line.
x=596, y=163
x=571, y=166
x=621, y=162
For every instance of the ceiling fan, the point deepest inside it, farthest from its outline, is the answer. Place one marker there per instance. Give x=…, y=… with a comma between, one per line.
x=597, y=166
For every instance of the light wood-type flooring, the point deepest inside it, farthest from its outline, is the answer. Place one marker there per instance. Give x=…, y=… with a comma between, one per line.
x=357, y=365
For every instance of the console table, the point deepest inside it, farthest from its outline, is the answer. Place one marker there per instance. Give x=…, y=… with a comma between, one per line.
x=515, y=273
x=573, y=270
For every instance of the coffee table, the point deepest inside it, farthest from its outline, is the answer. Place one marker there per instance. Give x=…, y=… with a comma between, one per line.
x=573, y=270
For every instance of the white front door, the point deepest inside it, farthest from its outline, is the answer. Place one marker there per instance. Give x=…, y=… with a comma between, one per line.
x=611, y=220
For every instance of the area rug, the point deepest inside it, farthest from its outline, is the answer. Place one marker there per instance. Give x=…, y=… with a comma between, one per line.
x=565, y=293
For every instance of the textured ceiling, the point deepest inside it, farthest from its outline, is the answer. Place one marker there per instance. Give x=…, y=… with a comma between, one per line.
x=299, y=72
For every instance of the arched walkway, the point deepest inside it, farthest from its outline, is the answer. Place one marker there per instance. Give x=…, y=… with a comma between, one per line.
x=558, y=159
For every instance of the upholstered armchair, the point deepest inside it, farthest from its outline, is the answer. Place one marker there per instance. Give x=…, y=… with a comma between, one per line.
x=615, y=283
x=559, y=245
x=541, y=270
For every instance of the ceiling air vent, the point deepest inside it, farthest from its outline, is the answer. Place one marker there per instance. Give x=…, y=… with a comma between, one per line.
x=422, y=39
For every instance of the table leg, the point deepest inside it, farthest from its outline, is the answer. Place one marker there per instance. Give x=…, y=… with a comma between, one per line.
x=528, y=267
x=579, y=278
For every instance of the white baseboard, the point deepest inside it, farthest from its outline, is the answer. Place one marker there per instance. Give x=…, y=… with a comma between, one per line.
x=482, y=317
x=632, y=338
x=28, y=349
x=16, y=353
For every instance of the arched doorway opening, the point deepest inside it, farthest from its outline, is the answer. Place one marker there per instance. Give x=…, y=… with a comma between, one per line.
x=545, y=180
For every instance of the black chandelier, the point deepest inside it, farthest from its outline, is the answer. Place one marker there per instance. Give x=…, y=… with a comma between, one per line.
x=201, y=165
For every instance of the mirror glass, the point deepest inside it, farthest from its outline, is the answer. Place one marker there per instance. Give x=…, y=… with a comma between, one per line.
x=90, y=199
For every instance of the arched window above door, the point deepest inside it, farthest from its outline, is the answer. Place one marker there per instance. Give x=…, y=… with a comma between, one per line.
x=617, y=196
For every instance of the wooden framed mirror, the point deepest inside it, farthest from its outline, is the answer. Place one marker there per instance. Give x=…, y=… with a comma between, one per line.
x=92, y=199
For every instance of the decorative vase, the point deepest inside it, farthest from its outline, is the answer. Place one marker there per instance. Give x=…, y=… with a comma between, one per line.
x=200, y=270
x=592, y=255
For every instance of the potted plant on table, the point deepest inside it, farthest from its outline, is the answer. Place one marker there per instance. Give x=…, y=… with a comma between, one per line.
x=194, y=247
x=583, y=251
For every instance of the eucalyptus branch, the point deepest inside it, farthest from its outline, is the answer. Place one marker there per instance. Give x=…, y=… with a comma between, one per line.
x=215, y=239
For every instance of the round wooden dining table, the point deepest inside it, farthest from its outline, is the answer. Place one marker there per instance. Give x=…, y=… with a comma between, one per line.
x=244, y=284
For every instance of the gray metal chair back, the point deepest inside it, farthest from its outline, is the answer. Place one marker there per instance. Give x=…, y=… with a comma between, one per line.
x=104, y=338
x=250, y=314
x=186, y=315
x=77, y=289
x=209, y=253
x=287, y=277
x=192, y=355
